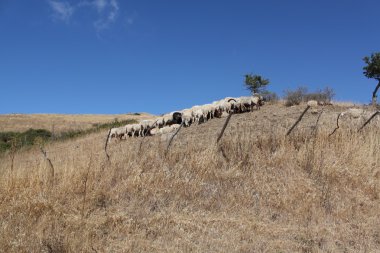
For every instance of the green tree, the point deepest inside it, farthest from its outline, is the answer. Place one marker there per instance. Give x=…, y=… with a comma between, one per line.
x=372, y=70
x=255, y=83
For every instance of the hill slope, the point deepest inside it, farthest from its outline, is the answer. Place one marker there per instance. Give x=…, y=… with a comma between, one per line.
x=60, y=122
x=258, y=191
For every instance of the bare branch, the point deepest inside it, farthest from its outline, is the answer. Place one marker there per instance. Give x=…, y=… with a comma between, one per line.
x=337, y=124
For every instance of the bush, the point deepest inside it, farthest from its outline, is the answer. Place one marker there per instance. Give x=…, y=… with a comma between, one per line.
x=301, y=95
x=96, y=127
x=270, y=96
x=295, y=97
x=27, y=138
x=39, y=136
x=325, y=95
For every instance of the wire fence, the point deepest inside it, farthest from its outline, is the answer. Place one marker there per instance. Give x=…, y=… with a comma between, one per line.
x=47, y=153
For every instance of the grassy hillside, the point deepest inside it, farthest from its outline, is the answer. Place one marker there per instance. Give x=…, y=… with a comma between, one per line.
x=57, y=123
x=257, y=191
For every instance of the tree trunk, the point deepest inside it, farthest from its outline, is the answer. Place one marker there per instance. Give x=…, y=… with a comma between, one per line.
x=374, y=96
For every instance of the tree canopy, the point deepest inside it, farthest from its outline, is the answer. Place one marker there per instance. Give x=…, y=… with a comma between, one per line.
x=255, y=83
x=372, y=70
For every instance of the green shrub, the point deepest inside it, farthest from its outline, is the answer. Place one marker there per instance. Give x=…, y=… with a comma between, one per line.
x=27, y=138
x=96, y=127
x=38, y=136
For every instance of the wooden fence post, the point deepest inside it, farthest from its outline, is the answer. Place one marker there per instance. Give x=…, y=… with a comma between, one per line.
x=337, y=124
x=369, y=120
x=171, y=139
x=50, y=164
x=298, y=120
x=224, y=127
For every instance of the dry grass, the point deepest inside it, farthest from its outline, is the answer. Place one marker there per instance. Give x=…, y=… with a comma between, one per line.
x=60, y=122
x=267, y=193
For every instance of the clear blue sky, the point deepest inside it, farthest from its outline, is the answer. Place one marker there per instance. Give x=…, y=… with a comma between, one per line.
x=119, y=56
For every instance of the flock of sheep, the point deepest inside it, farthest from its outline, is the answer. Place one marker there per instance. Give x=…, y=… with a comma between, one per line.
x=196, y=115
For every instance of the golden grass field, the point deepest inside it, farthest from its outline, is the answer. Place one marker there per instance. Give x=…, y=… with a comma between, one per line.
x=60, y=122
x=256, y=191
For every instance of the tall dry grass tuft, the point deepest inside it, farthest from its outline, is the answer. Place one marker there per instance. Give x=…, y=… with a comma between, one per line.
x=306, y=192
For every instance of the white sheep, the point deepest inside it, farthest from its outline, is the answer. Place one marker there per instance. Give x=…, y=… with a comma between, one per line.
x=160, y=122
x=208, y=111
x=198, y=115
x=187, y=117
x=146, y=125
x=135, y=130
x=353, y=113
x=129, y=130
x=154, y=131
x=118, y=132
x=228, y=105
x=312, y=103
x=244, y=104
x=167, y=118
x=113, y=133
x=169, y=129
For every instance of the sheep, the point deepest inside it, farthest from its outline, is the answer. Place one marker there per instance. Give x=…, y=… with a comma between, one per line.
x=113, y=133
x=129, y=130
x=160, y=122
x=257, y=100
x=169, y=129
x=117, y=132
x=171, y=121
x=355, y=117
x=135, y=130
x=244, y=104
x=198, y=115
x=219, y=108
x=229, y=105
x=187, y=117
x=176, y=126
x=224, y=105
x=208, y=111
x=154, y=131
x=177, y=117
x=167, y=133
x=353, y=113
x=172, y=118
x=312, y=103
x=146, y=125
